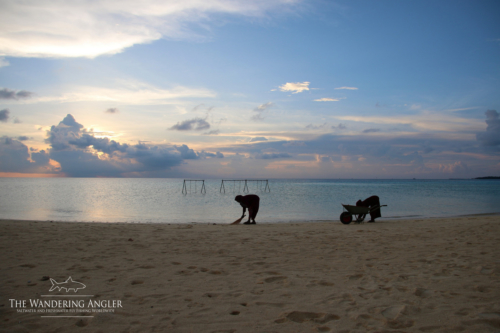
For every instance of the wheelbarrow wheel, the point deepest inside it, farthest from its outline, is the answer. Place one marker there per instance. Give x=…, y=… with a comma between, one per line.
x=346, y=217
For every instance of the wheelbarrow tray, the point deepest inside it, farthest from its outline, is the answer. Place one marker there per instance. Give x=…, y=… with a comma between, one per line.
x=357, y=210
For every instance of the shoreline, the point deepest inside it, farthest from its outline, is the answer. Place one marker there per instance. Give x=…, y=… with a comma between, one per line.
x=420, y=275
x=379, y=220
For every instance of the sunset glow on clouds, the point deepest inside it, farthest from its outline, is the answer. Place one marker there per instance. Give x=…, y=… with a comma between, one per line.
x=282, y=88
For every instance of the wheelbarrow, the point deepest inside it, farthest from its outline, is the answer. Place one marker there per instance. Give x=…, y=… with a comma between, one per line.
x=357, y=211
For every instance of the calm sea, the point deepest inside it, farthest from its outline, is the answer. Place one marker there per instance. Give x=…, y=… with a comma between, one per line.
x=162, y=201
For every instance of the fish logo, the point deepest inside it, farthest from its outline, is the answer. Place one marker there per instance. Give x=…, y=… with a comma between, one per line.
x=69, y=284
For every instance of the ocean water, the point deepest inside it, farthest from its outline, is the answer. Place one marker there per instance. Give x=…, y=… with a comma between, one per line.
x=148, y=200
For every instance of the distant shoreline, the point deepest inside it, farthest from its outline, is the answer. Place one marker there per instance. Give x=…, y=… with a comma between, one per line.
x=488, y=177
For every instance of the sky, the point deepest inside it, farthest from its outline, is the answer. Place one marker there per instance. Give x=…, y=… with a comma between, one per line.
x=261, y=89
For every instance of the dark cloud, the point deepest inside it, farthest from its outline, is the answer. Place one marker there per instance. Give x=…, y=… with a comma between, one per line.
x=60, y=135
x=213, y=132
x=371, y=130
x=80, y=154
x=205, y=154
x=267, y=156
x=75, y=149
x=15, y=157
x=340, y=127
x=22, y=138
x=101, y=144
x=491, y=137
x=187, y=153
x=111, y=110
x=316, y=127
x=141, y=146
x=4, y=115
x=196, y=124
x=11, y=94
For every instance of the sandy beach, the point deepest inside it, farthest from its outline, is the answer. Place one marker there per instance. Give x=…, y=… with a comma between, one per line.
x=427, y=275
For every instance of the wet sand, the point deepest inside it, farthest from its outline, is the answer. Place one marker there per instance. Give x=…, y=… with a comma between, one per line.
x=427, y=275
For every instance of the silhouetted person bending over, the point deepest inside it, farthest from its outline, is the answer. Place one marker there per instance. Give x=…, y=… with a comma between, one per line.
x=251, y=202
x=372, y=201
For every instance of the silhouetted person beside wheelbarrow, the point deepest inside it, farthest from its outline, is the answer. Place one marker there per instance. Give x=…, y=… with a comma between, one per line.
x=251, y=202
x=372, y=201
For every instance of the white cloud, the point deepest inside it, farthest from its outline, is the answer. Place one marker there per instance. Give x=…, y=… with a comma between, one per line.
x=88, y=28
x=296, y=87
x=425, y=121
x=128, y=93
x=325, y=99
x=346, y=88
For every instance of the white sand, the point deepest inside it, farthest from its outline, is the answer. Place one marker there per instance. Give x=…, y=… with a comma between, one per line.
x=432, y=275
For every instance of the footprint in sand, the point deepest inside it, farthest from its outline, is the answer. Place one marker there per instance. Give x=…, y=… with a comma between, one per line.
x=355, y=277
x=482, y=289
x=137, y=282
x=302, y=317
x=323, y=283
x=393, y=312
x=275, y=279
x=421, y=292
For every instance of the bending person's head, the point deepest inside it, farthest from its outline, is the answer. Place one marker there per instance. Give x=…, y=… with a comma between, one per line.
x=238, y=198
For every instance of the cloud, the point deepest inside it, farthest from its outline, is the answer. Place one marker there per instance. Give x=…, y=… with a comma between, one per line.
x=128, y=92
x=22, y=138
x=491, y=137
x=205, y=154
x=187, y=153
x=258, y=138
x=267, y=156
x=371, y=130
x=457, y=167
x=4, y=115
x=15, y=157
x=326, y=99
x=257, y=117
x=424, y=120
x=213, y=132
x=3, y=62
x=196, y=124
x=316, y=127
x=340, y=127
x=295, y=88
x=80, y=154
x=44, y=28
x=11, y=94
x=261, y=109
x=111, y=110
x=346, y=88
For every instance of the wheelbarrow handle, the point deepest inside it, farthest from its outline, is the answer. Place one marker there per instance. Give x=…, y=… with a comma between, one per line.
x=377, y=207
